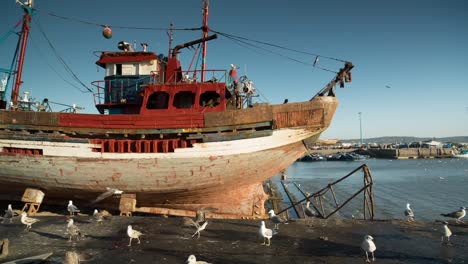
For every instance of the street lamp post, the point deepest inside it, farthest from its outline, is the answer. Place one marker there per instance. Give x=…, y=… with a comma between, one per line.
x=360, y=127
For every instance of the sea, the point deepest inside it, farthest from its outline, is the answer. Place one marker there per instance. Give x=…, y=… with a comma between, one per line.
x=430, y=186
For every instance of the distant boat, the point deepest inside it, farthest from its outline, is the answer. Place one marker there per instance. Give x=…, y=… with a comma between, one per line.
x=349, y=156
x=463, y=154
x=312, y=157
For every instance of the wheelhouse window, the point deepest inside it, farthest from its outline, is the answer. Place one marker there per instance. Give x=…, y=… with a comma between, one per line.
x=158, y=100
x=209, y=99
x=184, y=100
x=118, y=69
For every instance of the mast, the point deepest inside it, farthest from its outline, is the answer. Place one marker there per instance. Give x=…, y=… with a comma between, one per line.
x=27, y=7
x=205, y=35
x=170, y=34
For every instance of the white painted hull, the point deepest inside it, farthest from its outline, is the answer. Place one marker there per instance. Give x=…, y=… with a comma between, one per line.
x=204, y=171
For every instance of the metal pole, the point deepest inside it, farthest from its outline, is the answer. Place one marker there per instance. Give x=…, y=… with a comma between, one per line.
x=360, y=126
x=24, y=40
x=205, y=35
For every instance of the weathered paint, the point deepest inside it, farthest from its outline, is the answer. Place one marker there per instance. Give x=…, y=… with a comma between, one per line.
x=186, y=178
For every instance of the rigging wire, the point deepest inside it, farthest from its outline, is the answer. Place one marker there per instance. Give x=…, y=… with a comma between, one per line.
x=120, y=27
x=62, y=61
x=258, y=47
x=276, y=46
x=238, y=41
x=53, y=69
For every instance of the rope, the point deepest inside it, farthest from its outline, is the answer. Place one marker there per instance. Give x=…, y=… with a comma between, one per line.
x=62, y=61
x=277, y=46
x=120, y=27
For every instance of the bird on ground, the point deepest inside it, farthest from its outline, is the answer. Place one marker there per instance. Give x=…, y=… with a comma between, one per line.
x=98, y=217
x=132, y=233
x=9, y=213
x=72, y=209
x=193, y=260
x=266, y=233
x=458, y=215
x=446, y=233
x=409, y=213
x=28, y=221
x=109, y=192
x=309, y=211
x=73, y=230
x=368, y=246
x=276, y=219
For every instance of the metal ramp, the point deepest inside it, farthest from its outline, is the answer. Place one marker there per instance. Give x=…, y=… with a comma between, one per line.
x=317, y=199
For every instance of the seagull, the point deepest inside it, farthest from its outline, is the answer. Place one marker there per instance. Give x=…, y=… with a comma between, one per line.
x=132, y=233
x=266, y=233
x=200, y=216
x=9, y=213
x=71, y=257
x=276, y=219
x=193, y=260
x=409, y=213
x=200, y=227
x=28, y=221
x=73, y=230
x=457, y=214
x=109, y=192
x=445, y=233
x=72, y=209
x=309, y=211
x=98, y=217
x=368, y=246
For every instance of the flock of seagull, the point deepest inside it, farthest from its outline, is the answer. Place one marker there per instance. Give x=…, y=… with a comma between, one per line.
x=200, y=223
x=367, y=245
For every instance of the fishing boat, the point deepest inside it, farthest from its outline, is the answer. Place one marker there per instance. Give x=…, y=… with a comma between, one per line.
x=463, y=153
x=177, y=140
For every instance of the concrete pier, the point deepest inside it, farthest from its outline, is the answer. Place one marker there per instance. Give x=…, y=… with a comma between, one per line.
x=167, y=240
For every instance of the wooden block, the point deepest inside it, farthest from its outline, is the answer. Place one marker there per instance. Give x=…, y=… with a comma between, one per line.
x=127, y=204
x=4, y=247
x=33, y=196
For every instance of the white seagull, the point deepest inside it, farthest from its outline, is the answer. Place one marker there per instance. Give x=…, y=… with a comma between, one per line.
x=193, y=260
x=200, y=227
x=276, y=219
x=109, y=192
x=132, y=233
x=368, y=246
x=266, y=233
x=98, y=217
x=309, y=211
x=73, y=230
x=446, y=233
x=457, y=214
x=409, y=213
x=28, y=221
x=72, y=209
x=9, y=213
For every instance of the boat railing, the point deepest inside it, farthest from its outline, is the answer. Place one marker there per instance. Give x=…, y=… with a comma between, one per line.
x=118, y=91
x=192, y=76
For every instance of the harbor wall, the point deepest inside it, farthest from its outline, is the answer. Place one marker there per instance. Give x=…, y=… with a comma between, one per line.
x=403, y=153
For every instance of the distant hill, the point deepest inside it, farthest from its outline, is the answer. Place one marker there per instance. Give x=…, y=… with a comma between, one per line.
x=381, y=140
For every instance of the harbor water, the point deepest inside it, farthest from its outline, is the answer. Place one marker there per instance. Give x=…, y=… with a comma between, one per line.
x=431, y=186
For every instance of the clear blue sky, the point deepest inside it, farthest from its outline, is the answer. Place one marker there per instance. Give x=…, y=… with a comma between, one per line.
x=417, y=48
